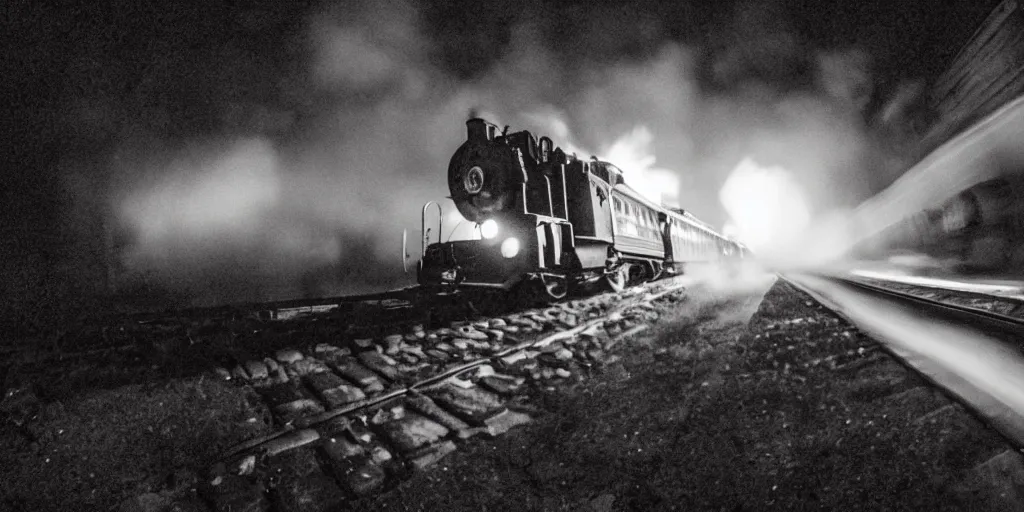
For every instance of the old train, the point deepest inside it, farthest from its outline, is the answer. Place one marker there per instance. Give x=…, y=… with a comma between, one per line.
x=980, y=229
x=549, y=221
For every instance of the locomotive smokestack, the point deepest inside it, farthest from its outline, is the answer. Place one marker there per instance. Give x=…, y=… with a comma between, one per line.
x=478, y=130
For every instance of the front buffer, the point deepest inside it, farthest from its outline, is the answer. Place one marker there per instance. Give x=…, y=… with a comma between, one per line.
x=515, y=252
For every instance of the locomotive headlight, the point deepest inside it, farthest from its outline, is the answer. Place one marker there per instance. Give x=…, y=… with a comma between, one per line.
x=510, y=247
x=489, y=229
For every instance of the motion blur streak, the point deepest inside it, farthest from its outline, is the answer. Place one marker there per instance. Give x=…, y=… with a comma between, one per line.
x=975, y=359
x=1011, y=290
x=767, y=207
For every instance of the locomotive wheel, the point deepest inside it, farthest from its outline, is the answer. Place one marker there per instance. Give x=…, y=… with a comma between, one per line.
x=539, y=291
x=554, y=288
x=617, y=279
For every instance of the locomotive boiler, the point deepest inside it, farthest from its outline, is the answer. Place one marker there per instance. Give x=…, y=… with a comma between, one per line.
x=550, y=221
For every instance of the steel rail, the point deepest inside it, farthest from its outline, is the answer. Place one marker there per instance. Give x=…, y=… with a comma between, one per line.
x=976, y=356
x=642, y=295
x=1002, y=288
x=1009, y=321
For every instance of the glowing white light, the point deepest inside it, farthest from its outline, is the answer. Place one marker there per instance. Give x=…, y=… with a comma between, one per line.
x=767, y=206
x=510, y=247
x=632, y=152
x=489, y=229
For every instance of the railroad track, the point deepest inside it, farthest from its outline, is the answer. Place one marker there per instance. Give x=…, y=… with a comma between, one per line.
x=974, y=354
x=372, y=410
x=352, y=414
x=1003, y=298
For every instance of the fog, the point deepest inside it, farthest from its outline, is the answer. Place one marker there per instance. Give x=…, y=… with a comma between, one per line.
x=302, y=184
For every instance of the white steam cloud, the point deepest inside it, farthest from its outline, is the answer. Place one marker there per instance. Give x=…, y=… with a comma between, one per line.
x=317, y=207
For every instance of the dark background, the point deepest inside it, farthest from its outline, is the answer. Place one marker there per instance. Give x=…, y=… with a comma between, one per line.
x=130, y=126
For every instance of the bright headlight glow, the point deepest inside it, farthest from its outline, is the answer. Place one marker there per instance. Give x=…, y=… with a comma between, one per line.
x=489, y=229
x=510, y=247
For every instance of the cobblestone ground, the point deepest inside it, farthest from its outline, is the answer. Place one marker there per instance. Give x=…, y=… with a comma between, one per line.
x=366, y=406
x=709, y=397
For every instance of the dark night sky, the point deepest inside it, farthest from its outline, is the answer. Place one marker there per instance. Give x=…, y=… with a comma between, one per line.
x=82, y=80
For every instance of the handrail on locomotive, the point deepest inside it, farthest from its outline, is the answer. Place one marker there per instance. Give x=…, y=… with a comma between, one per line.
x=426, y=232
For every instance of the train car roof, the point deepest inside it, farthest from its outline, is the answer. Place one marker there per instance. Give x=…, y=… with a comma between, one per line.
x=690, y=218
x=628, y=191
x=697, y=223
x=631, y=193
x=686, y=217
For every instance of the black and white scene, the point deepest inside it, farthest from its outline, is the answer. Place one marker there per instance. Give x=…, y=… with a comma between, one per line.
x=596, y=256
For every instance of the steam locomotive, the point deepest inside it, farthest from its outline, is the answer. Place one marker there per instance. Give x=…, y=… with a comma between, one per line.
x=549, y=221
x=980, y=229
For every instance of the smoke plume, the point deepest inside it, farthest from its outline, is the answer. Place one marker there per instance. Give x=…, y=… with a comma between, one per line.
x=294, y=167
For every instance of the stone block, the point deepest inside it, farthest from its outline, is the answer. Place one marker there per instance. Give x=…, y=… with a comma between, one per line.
x=380, y=363
x=424, y=405
x=334, y=390
x=305, y=367
x=438, y=355
x=525, y=323
x=290, y=441
x=321, y=382
x=288, y=356
x=339, y=448
x=503, y=384
x=413, y=431
x=473, y=404
x=471, y=333
x=357, y=373
x=298, y=408
x=501, y=423
x=256, y=370
x=272, y=366
x=380, y=455
x=343, y=395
